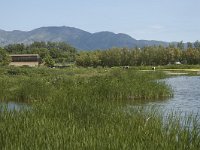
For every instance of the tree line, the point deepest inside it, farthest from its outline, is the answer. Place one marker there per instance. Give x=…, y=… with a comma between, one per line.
x=60, y=52
x=152, y=55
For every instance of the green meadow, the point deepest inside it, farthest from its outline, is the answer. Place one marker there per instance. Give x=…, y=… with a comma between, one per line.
x=86, y=108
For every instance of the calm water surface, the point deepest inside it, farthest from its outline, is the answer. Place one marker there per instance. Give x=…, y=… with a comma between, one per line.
x=186, y=100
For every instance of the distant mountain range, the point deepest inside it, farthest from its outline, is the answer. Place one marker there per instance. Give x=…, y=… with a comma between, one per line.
x=78, y=38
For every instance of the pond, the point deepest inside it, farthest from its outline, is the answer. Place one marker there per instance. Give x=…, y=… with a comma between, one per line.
x=186, y=99
x=11, y=106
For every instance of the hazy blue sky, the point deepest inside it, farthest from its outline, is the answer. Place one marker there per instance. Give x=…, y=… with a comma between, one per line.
x=167, y=20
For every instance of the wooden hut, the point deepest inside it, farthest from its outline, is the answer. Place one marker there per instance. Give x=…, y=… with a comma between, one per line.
x=31, y=60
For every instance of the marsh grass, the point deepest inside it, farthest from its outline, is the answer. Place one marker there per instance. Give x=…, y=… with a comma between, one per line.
x=70, y=110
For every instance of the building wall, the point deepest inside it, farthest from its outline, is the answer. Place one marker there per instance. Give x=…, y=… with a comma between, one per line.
x=31, y=64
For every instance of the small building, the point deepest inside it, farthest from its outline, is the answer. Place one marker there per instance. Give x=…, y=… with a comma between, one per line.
x=31, y=60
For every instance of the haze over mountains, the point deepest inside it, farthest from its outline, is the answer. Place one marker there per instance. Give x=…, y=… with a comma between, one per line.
x=76, y=37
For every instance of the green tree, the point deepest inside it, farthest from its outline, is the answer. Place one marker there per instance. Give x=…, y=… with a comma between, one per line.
x=125, y=57
x=43, y=52
x=61, y=50
x=197, y=44
x=111, y=57
x=172, y=45
x=180, y=45
x=189, y=45
x=15, y=48
x=135, y=57
x=37, y=45
x=83, y=59
x=192, y=56
x=48, y=61
x=5, y=59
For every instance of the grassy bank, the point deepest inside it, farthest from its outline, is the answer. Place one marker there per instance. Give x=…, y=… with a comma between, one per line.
x=82, y=108
x=192, y=70
x=32, y=84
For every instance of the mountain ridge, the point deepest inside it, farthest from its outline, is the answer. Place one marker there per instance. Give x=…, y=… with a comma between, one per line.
x=78, y=38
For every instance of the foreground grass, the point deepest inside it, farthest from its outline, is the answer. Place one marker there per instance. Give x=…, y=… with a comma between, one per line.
x=86, y=109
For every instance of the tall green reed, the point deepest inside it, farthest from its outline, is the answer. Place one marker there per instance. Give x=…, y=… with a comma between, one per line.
x=87, y=112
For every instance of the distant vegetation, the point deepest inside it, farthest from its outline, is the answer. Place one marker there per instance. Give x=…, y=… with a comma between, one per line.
x=62, y=53
x=154, y=55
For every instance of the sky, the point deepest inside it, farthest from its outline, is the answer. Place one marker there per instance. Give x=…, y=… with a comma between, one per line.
x=165, y=20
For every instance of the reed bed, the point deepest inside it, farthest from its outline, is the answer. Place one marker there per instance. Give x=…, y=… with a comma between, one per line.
x=84, y=109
